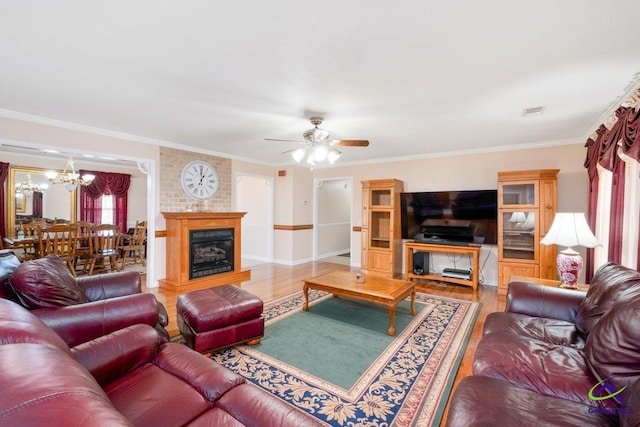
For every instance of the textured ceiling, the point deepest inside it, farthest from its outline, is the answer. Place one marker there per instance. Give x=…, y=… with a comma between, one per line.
x=415, y=77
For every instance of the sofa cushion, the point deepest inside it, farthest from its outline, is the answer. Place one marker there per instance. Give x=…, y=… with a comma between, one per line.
x=193, y=381
x=552, y=331
x=608, y=282
x=46, y=283
x=484, y=401
x=549, y=369
x=612, y=349
x=150, y=396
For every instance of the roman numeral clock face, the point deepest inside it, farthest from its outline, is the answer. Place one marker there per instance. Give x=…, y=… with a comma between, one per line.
x=199, y=180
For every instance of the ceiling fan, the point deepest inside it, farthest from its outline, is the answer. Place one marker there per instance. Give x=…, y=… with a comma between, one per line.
x=317, y=145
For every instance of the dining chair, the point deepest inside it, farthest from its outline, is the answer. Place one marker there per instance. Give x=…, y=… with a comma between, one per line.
x=104, y=240
x=133, y=246
x=82, y=246
x=61, y=240
x=30, y=245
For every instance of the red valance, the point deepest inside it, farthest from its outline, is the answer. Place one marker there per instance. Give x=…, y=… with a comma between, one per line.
x=625, y=133
x=109, y=183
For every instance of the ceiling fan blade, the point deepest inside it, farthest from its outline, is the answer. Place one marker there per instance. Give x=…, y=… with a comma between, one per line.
x=284, y=140
x=292, y=150
x=350, y=143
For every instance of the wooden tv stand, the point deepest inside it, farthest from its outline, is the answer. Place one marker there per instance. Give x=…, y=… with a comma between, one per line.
x=411, y=247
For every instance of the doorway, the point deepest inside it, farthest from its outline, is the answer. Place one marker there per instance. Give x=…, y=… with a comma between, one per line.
x=255, y=195
x=332, y=218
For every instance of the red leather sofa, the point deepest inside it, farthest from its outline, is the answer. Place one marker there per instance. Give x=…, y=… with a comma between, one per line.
x=558, y=357
x=79, y=309
x=130, y=377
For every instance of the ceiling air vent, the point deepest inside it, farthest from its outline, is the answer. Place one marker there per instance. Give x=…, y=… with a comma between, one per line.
x=532, y=111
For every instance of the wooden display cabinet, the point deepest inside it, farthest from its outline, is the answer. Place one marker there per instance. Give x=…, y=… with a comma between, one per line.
x=527, y=203
x=381, y=231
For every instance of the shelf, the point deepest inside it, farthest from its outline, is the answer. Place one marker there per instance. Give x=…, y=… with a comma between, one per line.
x=411, y=247
x=380, y=239
x=518, y=233
x=519, y=248
x=380, y=198
x=381, y=244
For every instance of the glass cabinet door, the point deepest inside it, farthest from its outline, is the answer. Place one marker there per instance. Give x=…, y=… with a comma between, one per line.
x=518, y=235
x=518, y=194
x=380, y=230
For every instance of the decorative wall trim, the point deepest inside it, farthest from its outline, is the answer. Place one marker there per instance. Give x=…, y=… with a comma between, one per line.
x=293, y=227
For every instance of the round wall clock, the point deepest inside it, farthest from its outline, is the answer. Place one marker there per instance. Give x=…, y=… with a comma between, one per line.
x=199, y=179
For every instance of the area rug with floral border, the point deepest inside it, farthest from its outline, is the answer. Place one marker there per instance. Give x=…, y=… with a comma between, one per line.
x=407, y=385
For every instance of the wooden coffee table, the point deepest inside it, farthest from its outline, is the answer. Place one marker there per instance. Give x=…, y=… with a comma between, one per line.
x=375, y=289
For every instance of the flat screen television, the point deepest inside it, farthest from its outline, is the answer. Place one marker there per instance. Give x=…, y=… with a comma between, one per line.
x=464, y=216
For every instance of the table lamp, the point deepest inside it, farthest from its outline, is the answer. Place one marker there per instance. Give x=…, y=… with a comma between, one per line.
x=569, y=229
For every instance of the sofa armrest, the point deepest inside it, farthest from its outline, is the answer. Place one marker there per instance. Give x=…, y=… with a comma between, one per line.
x=105, y=286
x=211, y=380
x=83, y=322
x=112, y=356
x=45, y=386
x=543, y=301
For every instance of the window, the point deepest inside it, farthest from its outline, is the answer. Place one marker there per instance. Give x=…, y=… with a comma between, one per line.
x=108, y=214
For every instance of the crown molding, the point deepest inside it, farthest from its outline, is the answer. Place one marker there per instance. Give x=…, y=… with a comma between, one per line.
x=119, y=135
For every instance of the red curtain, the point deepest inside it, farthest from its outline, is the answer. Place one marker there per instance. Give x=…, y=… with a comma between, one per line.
x=591, y=163
x=90, y=208
x=624, y=134
x=37, y=204
x=4, y=172
x=109, y=183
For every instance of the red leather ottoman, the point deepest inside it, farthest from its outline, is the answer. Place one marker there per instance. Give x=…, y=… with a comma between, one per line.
x=210, y=319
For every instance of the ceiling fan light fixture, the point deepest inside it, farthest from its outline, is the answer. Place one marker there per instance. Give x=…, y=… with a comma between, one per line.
x=317, y=147
x=320, y=152
x=310, y=159
x=298, y=154
x=333, y=155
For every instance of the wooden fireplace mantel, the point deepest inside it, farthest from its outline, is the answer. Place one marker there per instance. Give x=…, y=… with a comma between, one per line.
x=179, y=224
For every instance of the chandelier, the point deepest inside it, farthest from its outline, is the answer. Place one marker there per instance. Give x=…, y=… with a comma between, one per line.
x=316, y=152
x=69, y=177
x=28, y=188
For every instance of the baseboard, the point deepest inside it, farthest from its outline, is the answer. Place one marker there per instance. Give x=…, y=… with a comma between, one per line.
x=292, y=263
x=335, y=253
x=255, y=258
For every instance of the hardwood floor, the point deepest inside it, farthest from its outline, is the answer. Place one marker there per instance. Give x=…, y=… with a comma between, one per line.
x=271, y=281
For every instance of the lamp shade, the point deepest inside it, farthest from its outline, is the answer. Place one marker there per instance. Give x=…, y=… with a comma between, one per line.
x=517, y=217
x=570, y=229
